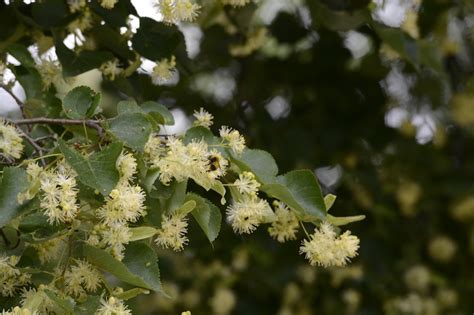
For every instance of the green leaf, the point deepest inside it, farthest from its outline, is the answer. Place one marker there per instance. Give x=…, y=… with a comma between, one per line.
x=178, y=196
x=338, y=221
x=66, y=305
x=156, y=40
x=142, y=232
x=14, y=181
x=21, y=53
x=149, y=179
x=128, y=106
x=77, y=63
x=207, y=215
x=142, y=261
x=158, y=112
x=133, y=129
x=81, y=102
x=200, y=133
x=329, y=200
x=89, y=306
x=186, y=208
x=130, y=294
x=300, y=191
x=117, y=16
x=417, y=52
x=50, y=13
x=97, y=171
x=339, y=20
x=259, y=162
x=138, y=268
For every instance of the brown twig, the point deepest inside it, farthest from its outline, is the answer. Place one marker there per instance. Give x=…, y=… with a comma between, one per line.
x=93, y=124
x=16, y=98
x=36, y=147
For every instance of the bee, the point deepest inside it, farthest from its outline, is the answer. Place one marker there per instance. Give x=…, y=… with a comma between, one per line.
x=214, y=163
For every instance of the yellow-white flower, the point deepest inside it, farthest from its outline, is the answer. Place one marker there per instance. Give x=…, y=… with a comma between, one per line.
x=164, y=70
x=108, y=4
x=223, y=301
x=233, y=139
x=113, y=306
x=248, y=213
x=11, y=143
x=111, y=69
x=172, y=233
x=125, y=203
x=326, y=249
x=442, y=248
x=247, y=184
x=50, y=71
x=192, y=160
x=115, y=237
x=285, y=226
x=82, y=23
x=50, y=249
x=59, y=194
x=203, y=118
x=127, y=166
x=76, y=5
x=174, y=11
x=11, y=278
x=81, y=278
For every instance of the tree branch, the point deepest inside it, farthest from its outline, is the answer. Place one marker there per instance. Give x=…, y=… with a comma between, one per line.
x=17, y=100
x=36, y=147
x=93, y=124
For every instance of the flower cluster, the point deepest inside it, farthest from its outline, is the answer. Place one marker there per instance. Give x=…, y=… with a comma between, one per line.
x=81, y=278
x=125, y=203
x=11, y=143
x=285, y=226
x=172, y=233
x=164, y=70
x=248, y=211
x=11, y=278
x=174, y=11
x=50, y=71
x=59, y=193
x=326, y=249
x=203, y=118
x=233, y=139
x=112, y=306
x=193, y=160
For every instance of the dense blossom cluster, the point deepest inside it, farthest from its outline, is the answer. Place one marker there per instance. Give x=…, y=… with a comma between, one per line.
x=125, y=203
x=11, y=143
x=325, y=248
x=11, y=278
x=108, y=223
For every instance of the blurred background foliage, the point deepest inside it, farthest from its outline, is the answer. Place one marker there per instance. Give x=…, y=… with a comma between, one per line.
x=375, y=96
